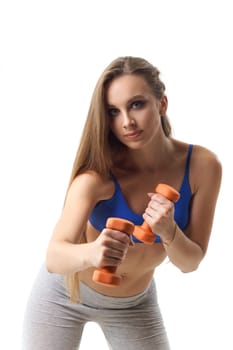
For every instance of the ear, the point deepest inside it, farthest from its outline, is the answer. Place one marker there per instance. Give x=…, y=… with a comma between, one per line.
x=163, y=105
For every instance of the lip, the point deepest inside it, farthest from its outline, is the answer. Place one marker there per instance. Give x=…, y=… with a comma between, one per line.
x=133, y=134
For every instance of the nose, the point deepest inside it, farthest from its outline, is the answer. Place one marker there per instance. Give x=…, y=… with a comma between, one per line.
x=128, y=121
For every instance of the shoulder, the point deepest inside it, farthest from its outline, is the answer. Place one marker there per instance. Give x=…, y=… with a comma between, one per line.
x=203, y=157
x=205, y=166
x=91, y=185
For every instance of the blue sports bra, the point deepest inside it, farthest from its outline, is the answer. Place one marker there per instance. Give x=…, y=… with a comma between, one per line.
x=117, y=206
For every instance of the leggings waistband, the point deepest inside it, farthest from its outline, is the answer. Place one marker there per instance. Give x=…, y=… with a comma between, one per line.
x=91, y=298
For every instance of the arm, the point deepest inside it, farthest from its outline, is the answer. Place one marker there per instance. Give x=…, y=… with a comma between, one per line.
x=187, y=249
x=65, y=253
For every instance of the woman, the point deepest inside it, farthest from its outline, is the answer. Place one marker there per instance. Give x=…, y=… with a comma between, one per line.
x=125, y=150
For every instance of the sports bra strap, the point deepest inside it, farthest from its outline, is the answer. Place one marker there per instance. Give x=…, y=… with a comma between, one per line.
x=188, y=160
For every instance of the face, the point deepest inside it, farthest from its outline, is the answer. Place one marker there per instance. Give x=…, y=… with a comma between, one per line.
x=134, y=112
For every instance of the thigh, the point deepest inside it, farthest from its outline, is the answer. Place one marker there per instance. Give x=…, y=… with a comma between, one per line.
x=137, y=328
x=51, y=321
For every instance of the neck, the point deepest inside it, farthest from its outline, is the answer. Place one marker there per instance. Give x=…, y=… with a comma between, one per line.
x=149, y=159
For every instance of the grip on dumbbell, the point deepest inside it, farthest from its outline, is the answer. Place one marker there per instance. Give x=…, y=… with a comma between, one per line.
x=144, y=232
x=107, y=275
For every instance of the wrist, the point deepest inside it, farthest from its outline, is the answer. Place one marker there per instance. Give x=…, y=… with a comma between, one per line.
x=87, y=255
x=168, y=242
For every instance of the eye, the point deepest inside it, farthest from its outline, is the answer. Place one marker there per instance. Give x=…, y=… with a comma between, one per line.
x=137, y=104
x=113, y=112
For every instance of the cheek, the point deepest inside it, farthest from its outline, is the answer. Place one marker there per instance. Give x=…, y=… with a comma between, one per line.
x=114, y=126
x=154, y=117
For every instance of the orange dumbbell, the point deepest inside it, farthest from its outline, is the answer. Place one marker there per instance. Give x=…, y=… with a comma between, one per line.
x=144, y=232
x=107, y=275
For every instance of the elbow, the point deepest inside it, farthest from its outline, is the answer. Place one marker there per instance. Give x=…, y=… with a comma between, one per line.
x=187, y=265
x=48, y=265
x=188, y=269
x=193, y=263
x=49, y=261
x=191, y=267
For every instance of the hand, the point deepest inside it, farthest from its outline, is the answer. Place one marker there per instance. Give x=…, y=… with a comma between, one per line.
x=110, y=248
x=159, y=215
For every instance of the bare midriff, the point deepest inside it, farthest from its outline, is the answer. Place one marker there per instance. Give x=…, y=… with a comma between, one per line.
x=136, y=270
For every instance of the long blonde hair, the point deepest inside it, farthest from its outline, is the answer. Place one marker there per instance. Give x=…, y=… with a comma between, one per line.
x=98, y=145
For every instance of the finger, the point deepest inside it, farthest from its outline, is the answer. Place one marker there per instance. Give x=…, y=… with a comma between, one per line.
x=114, y=253
x=118, y=247
x=152, y=214
x=111, y=262
x=160, y=206
x=158, y=212
x=110, y=242
x=159, y=198
x=131, y=242
x=119, y=236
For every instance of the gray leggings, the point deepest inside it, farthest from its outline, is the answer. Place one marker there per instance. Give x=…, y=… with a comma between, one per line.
x=52, y=323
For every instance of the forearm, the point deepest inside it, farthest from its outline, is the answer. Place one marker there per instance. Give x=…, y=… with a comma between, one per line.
x=184, y=253
x=67, y=258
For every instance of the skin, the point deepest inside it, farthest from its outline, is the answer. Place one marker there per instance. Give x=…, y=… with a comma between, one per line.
x=150, y=158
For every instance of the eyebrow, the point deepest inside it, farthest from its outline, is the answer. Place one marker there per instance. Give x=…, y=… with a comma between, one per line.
x=135, y=97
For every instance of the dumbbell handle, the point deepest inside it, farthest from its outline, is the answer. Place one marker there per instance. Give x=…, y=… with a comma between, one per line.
x=144, y=232
x=107, y=275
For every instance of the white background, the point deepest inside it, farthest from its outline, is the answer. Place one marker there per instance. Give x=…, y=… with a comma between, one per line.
x=51, y=54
